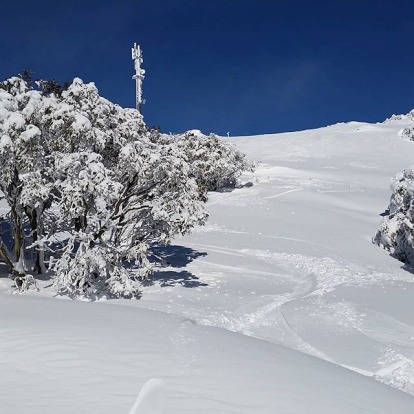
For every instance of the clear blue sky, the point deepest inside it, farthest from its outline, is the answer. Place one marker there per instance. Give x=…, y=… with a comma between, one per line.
x=247, y=67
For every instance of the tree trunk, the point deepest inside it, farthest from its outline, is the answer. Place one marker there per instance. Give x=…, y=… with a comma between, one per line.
x=34, y=216
x=17, y=234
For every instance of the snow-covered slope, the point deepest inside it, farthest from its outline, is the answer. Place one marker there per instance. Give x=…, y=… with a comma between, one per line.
x=281, y=304
x=64, y=357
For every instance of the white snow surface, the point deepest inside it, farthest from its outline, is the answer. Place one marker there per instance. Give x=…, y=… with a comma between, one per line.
x=281, y=304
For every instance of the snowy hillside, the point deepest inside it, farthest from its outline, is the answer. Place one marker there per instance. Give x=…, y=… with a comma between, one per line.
x=281, y=304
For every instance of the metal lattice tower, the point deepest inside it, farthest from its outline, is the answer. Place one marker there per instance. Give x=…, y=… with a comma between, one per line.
x=139, y=75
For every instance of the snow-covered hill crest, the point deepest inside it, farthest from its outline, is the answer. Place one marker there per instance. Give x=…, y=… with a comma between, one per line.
x=282, y=303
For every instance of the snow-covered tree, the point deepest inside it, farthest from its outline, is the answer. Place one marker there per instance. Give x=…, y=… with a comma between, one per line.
x=214, y=163
x=396, y=232
x=84, y=172
x=25, y=161
x=113, y=216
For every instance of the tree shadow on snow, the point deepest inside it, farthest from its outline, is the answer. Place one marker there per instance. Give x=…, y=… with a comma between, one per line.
x=174, y=256
x=231, y=188
x=406, y=266
x=170, y=278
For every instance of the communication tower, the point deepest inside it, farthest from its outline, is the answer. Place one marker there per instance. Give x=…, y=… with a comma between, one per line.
x=139, y=75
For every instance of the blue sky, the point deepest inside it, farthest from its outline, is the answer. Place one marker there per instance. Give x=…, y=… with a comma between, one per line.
x=244, y=67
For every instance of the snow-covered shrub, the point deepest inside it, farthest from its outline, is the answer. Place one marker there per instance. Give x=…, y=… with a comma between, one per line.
x=408, y=133
x=83, y=171
x=396, y=232
x=213, y=162
x=405, y=117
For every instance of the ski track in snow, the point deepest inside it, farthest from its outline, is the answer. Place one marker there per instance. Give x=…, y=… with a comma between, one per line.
x=269, y=316
x=265, y=318
x=282, y=194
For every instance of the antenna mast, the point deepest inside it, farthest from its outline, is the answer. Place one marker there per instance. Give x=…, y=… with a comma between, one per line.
x=139, y=74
